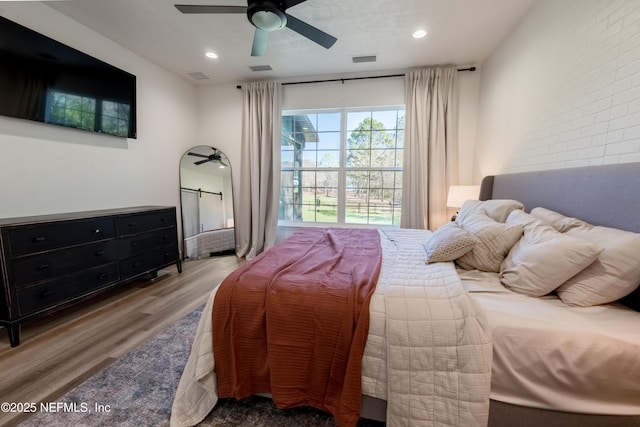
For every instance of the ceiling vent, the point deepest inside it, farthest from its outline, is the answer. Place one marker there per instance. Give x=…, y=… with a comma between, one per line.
x=197, y=75
x=260, y=67
x=364, y=58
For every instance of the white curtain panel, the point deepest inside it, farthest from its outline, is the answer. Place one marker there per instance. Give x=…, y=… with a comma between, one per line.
x=257, y=217
x=430, y=146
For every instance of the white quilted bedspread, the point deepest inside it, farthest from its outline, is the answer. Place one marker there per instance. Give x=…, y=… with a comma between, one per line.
x=428, y=353
x=429, y=348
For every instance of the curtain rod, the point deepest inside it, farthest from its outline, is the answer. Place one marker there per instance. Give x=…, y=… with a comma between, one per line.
x=354, y=78
x=360, y=78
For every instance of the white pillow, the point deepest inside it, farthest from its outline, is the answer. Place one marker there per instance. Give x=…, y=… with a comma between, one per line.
x=558, y=221
x=497, y=209
x=448, y=243
x=495, y=239
x=613, y=275
x=543, y=258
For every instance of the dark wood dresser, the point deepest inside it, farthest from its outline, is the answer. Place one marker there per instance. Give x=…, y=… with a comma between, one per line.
x=52, y=261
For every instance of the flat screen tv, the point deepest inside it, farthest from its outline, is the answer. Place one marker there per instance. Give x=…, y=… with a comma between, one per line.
x=46, y=81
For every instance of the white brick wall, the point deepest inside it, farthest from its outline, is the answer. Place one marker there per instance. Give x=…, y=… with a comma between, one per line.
x=563, y=90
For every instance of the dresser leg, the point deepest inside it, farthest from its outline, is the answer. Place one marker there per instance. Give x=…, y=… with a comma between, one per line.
x=14, y=334
x=179, y=265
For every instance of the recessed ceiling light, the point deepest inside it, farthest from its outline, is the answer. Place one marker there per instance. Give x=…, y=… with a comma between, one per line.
x=419, y=34
x=211, y=55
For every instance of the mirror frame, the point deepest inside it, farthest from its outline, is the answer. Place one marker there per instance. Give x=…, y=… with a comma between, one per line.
x=224, y=158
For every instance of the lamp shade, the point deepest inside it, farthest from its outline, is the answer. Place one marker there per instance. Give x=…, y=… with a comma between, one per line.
x=458, y=194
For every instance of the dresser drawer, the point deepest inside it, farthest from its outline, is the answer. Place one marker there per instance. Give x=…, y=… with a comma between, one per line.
x=140, y=223
x=148, y=261
x=35, y=298
x=52, y=264
x=37, y=238
x=138, y=244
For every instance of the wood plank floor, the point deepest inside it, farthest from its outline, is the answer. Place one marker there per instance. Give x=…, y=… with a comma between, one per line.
x=60, y=351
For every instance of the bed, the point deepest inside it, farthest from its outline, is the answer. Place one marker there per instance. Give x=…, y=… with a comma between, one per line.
x=523, y=390
x=209, y=243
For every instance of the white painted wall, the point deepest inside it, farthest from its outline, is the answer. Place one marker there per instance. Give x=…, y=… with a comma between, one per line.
x=48, y=169
x=563, y=90
x=220, y=124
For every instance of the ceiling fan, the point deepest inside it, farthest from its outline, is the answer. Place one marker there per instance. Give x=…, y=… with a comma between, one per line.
x=215, y=157
x=267, y=16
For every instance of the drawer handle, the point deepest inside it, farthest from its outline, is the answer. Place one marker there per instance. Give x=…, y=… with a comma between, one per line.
x=134, y=244
x=46, y=293
x=99, y=253
x=43, y=267
x=97, y=231
x=163, y=219
x=165, y=238
x=102, y=276
x=132, y=224
x=39, y=239
x=136, y=264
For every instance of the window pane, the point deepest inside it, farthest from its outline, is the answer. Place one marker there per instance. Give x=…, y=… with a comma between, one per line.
x=286, y=158
x=329, y=159
x=401, y=115
x=329, y=140
x=397, y=204
x=388, y=119
x=309, y=159
x=319, y=197
x=358, y=158
x=383, y=139
x=383, y=158
x=328, y=122
x=357, y=119
x=356, y=209
x=359, y=139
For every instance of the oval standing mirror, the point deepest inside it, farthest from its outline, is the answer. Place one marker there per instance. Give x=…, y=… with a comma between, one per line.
x=207, y=203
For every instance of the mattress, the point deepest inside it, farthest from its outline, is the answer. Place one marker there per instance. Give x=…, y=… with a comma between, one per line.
x=549, y=355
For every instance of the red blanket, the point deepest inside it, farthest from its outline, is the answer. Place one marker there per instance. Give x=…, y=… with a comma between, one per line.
x=294, y=321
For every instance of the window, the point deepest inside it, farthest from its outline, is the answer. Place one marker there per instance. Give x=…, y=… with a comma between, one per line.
x=88, y=113
x=342, y=166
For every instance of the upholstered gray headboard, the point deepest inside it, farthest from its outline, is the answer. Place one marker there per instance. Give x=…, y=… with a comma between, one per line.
x=606, y=195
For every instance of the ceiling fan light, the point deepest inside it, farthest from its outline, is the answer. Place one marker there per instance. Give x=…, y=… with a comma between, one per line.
x=268, y=20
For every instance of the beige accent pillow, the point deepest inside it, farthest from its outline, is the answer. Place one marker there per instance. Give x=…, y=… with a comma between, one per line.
x=495, y=239
x=556, y=220
x=448, y=243
x=543, y=258
x=613, y=275
x=497, y=209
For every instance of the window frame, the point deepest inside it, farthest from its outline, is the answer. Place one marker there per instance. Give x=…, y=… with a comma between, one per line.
x=342, y=169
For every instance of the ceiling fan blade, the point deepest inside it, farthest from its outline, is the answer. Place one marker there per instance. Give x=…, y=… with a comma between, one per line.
x=198, y=155
x=310, y=32
x=201, y=162
x=223, y=164
x=291, y=3
x=260, y=39
x=195, y=8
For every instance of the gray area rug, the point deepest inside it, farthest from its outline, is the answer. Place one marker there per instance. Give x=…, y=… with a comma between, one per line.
x=138, y=389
